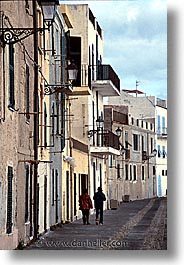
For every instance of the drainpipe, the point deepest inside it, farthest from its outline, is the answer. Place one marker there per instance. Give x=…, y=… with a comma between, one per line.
x=36, y=125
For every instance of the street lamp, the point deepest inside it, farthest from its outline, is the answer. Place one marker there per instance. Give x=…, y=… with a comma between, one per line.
x=99, y=122
x=118, y=132
x=72, y=71
x=147, y=157
x=123, y=149
x=99, y=125
x=10, y=34
x=48, y=10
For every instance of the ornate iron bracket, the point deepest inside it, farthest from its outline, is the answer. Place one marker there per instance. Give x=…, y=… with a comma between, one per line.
x=11, y=35
x=61, y=88
x=14, y=35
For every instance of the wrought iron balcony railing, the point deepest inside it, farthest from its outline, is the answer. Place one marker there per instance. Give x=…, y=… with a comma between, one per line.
x=106, y=139
x=95, y=73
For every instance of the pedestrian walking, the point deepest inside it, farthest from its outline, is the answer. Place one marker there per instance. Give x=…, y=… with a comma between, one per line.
x=85, y=206
x=99, y=198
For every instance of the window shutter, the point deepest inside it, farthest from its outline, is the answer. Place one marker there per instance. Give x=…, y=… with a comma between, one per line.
x=9, y=201
x=27, y=92
x=11, y=77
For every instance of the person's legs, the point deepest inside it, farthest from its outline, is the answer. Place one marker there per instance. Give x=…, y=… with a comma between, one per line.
x=84, y=217
x=87, y=216
x=101, y=215
x=97, y=213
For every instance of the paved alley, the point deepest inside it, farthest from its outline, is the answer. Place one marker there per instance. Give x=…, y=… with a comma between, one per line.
x=137, y=225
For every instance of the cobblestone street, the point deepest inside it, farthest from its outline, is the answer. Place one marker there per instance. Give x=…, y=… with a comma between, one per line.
x=137, y=225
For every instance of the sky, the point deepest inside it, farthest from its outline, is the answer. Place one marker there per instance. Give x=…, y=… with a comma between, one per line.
x=135, y=42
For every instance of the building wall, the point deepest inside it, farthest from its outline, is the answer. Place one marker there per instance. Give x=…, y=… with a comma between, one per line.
x=16, y=142
x=82, y=106
x=140, y=107
x=120, y=169
x=149, y=108
x=161, y=128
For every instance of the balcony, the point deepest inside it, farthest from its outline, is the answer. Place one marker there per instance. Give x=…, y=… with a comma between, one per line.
x=101, y=78
x=105, y=143
x=105, y=80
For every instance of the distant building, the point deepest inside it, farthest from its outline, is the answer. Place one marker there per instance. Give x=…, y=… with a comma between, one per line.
x=130, y=176
x=150, y=109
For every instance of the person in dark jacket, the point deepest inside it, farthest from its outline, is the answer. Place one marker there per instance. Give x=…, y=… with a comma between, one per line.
x=99, y=198
x=85, y=206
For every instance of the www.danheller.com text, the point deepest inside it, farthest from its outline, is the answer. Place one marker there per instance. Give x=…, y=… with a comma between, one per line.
x=98, y=243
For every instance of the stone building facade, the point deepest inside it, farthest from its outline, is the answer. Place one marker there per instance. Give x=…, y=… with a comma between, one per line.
x=93, y=84
x=16, y=128
x=129, y=176
x=154, y=110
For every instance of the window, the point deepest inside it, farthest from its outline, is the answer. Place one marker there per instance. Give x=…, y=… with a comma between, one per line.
x=143, y=172
x=63, y=121
x=126, y=172
x=57, y=117
x=154, y=171
x=142, y=140
x=158, y=124
x=45, y=125
x=96, y=49
x=134, y=172
x=151, y=144
x=135, y=142
x=53, y=182
x=163, y=125
x=130, y=172
x=118, y=171
x=163, y=152
x=110, y=161
x=11, y=78
x=162, y=172
x=159, y=152
x=27, y=93
x=126, y=139
x=93, y=58
x=53, y=120
x=137, y=122
x=9, y=200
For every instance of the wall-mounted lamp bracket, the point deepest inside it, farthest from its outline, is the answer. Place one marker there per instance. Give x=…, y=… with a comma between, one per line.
x=52, y=89
x=14, y=35
x=91, y=133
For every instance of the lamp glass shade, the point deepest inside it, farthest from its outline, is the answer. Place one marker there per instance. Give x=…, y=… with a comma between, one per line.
x=72, y=71
x=118, y=132
x=99, y=122
x=48, y=9
x=48, y=13
x=154, y=152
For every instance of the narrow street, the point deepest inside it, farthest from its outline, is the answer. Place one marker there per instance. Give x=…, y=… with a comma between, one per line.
x=137, y=225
